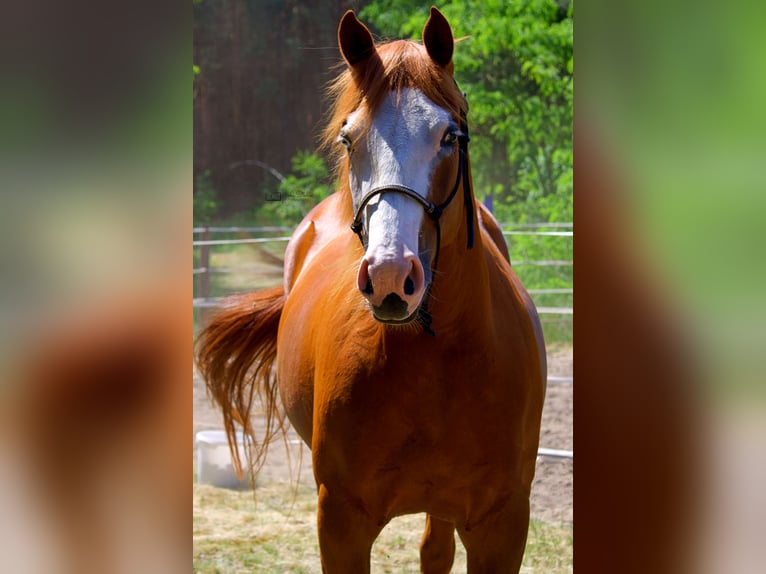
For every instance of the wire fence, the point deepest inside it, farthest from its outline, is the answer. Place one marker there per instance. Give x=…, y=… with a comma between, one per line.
x=204, y=269
x=205, y=242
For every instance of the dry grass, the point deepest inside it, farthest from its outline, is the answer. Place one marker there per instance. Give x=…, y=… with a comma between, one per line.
x=277, y=534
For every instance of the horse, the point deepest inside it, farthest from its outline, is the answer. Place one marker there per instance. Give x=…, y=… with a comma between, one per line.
x=404, y=349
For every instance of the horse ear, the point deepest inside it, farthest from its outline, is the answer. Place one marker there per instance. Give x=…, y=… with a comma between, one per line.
x=355, y=40
x=437, y=38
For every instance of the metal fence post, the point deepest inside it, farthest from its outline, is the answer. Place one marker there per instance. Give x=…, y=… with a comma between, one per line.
x=204, y=276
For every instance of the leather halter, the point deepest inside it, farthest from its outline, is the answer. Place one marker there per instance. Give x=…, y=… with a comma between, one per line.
x=433, y=211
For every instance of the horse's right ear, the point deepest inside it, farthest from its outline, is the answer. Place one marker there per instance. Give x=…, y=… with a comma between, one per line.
x=355, y=40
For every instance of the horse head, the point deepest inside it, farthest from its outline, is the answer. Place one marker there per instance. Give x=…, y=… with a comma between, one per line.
x=400, y=124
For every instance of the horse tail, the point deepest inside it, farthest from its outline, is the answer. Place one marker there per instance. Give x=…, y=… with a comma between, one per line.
x=235, y=355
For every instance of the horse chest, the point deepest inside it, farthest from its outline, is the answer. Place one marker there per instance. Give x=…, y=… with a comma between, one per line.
x=408, y=442
x=419, y=417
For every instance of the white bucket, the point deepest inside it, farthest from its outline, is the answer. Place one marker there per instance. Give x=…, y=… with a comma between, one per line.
x=214, y=464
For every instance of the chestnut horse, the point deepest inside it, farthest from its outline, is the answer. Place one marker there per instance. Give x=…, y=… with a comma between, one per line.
x=411, y=362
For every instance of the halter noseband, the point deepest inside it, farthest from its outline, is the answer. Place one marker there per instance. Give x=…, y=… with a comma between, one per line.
x=433, y=211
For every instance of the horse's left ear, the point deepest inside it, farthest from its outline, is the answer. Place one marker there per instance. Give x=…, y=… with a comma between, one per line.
x=437, y=38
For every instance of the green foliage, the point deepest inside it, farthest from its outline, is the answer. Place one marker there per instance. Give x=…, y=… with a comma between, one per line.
x=205, y=204
x=308, y=184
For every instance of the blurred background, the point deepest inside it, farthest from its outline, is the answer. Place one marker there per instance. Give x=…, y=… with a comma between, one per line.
x=670, y=195
x=95, y=328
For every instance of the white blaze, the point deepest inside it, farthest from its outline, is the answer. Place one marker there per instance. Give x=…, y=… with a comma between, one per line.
x=401, y=147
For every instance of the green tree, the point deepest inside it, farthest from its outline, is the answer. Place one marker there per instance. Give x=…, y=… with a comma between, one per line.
x=308, y=184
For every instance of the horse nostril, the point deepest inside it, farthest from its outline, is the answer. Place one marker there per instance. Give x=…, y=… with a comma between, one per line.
x=368, y=287
x=409, y=286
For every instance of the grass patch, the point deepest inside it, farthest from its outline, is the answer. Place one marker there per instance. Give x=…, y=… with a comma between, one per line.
x=557, y=329
x=549, y=548
x=276, y=533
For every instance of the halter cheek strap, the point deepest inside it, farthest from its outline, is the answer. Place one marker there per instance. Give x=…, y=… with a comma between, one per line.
x=433, y=211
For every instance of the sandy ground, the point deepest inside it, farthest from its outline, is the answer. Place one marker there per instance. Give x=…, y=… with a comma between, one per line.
x=552, y=489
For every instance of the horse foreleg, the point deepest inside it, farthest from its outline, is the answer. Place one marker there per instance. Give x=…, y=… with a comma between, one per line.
x=437, y=549
x=497, y=543
x=346, y=534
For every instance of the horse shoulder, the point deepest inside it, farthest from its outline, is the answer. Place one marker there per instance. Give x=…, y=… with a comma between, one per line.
x=498, y=261
x=318, y=227
x=491, y=229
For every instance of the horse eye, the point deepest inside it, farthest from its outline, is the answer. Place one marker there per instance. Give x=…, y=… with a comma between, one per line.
x=450, y=138
x=344, y=141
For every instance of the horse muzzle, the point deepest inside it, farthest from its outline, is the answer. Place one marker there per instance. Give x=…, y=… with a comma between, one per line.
x=393, y=286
